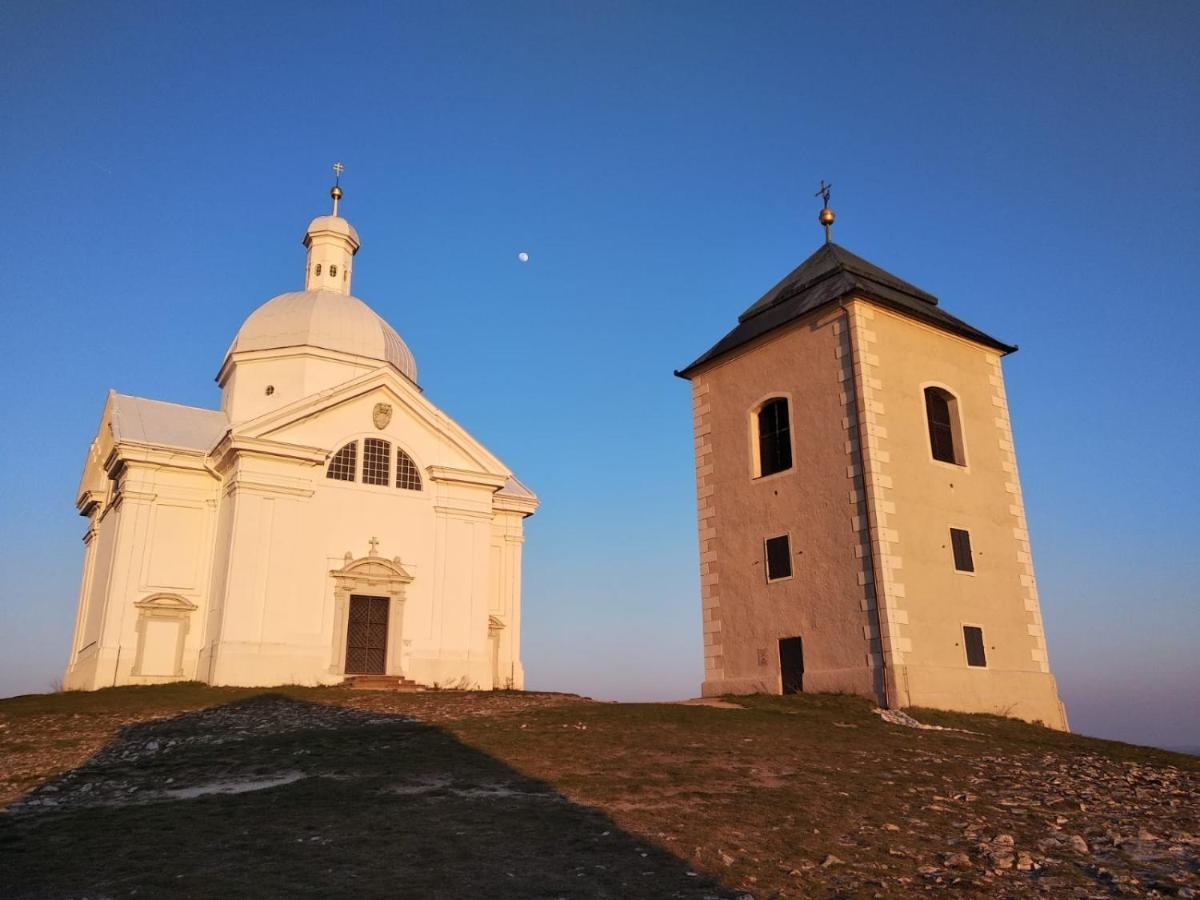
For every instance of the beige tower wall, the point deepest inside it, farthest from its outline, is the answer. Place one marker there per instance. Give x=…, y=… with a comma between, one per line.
x=874, y=594
x=920, y=499
x=826, y=600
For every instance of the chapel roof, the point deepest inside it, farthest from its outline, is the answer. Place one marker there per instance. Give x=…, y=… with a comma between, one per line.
x=142, y=421
x=831, y=274
x=325, y=319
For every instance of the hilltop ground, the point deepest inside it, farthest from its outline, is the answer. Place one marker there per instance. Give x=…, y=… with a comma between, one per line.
x=187, y=790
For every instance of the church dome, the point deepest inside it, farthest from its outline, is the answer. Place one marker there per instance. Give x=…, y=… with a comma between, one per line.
x=326, y=319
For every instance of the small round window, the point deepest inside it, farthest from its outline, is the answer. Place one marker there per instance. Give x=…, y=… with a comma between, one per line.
x=270, y=389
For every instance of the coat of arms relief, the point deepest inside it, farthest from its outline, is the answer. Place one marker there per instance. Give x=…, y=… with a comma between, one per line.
x=381, y=415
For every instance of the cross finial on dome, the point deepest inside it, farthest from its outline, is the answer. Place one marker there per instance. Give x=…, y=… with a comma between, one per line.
x=336, y=191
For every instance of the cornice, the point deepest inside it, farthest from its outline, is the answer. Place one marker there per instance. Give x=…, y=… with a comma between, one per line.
x=526, y=506
x=449, y=475
x=262, y=448
x=258, y=483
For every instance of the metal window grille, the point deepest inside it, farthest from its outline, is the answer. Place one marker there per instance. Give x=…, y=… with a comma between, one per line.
x=779, y=558
x=960, y=540
x=377, y=461
x=407, y=475
x=774, y=439
x=973, y=639
x=344, y=462
x=941, y=430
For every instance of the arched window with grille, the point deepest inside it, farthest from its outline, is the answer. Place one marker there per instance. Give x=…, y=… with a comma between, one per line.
x=408, y=476
x=773, y=425
x=377, y=461
x=344, y=463
x=945, y=430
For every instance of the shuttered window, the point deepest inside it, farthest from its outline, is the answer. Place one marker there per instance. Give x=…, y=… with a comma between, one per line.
x=344, y=462
x=774, y=437
x=941, y=425
x=779, y=558
x=960, y=540
x=973, y=641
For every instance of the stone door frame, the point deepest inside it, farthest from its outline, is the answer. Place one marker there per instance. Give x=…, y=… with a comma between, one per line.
x=368, y=576
x=173, y=608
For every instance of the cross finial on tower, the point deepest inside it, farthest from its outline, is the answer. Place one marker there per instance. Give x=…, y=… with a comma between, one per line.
x=374, y=542
x=336, y=191
x=826, y=216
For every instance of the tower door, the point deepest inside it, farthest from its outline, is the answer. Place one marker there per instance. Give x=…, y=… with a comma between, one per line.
x=791, y=664
x=366, y=636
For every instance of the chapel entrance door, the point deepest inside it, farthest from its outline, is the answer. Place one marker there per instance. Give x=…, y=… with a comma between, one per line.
x=366, y=636
x=791, y=664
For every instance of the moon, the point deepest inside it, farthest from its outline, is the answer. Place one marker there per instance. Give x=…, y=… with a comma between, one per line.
x=523, y=256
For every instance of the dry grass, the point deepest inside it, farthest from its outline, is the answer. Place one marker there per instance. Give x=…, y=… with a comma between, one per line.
x=541, y=795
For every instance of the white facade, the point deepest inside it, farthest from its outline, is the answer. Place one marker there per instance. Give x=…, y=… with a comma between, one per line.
x=220, y=549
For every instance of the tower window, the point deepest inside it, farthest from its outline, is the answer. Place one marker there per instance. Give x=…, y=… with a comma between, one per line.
x=344, y=462
x=960, y=541
x=774, y=437
x=779, y=558
x=407, y=475
x=973, y=641
x=945, y=432
x=333, y=271
x=317, y=269
x=377, y=461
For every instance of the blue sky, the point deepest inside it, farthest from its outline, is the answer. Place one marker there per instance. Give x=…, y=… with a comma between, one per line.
x=1033, y=164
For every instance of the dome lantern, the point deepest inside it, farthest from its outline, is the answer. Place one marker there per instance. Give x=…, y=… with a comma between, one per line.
x=332, y=243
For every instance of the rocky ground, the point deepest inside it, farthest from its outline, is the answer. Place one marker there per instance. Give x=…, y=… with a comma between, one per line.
x=194, y=791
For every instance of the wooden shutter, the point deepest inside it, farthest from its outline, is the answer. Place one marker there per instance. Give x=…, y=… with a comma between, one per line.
x=941, y=432
x=779, y=558
x=973, y=640
x=960, y=540
x=774, y=437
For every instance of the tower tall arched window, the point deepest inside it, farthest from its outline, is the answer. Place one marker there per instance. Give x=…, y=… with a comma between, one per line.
x=774, y=437
x=344, y=463
x=408, y=476
x=377, y=461
x=945, y=431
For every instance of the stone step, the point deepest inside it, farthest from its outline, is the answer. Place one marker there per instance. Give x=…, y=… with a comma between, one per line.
x=381, y=683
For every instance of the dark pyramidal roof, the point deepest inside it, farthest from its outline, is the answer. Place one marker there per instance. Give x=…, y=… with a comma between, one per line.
x=829, y=275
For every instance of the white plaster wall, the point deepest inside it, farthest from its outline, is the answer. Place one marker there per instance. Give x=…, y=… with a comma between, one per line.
x=285, y=526
x=156, y=538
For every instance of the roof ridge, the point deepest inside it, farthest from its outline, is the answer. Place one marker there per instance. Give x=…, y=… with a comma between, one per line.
x=117, y=393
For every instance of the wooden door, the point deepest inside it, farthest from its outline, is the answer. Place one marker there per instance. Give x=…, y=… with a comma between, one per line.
x=791, y=664
x=366, y=636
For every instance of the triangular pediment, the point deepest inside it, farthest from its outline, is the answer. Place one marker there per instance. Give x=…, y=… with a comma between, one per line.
x=380, y=387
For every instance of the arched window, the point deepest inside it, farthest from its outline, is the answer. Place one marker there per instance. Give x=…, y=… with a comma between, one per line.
x=377, y=461
x=945, y=432
x=344, y=462
x=407, y=476
x=774, y=437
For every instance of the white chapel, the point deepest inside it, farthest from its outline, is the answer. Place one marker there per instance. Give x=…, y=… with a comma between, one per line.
x=327, y=522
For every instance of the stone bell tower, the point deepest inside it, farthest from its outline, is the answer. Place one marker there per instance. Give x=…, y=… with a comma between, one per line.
x=860, y=513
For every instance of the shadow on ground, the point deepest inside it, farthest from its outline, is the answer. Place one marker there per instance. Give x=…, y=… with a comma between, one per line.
x=274, y=796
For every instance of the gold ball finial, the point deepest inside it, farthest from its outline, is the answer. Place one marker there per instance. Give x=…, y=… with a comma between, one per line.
x=825, y=216
x=336, y=193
